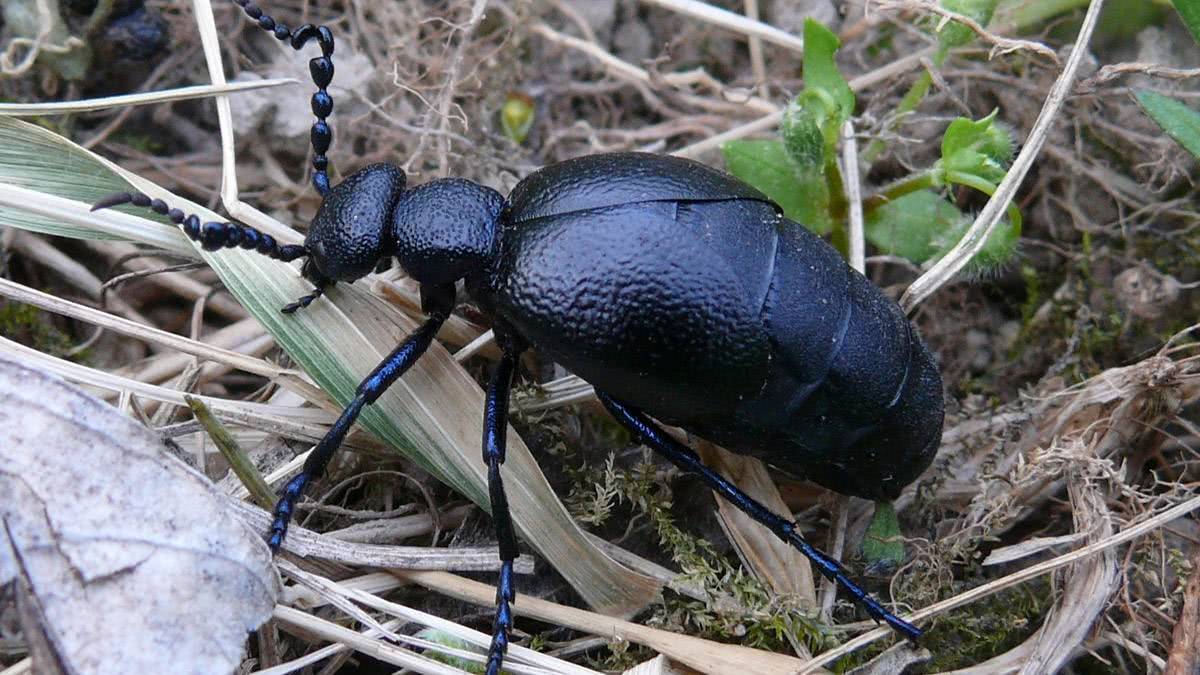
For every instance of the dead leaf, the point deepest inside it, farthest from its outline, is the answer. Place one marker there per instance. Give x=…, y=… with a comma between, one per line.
x=128, y=560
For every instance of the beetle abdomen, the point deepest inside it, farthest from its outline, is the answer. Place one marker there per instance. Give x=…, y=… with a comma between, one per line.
x=853, y=400
x=618, y=178
x=681, y=291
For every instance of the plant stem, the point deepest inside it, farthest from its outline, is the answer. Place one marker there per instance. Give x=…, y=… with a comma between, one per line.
x=916, y=93
x=988, y=188
x=838, y=208
x=896, y=190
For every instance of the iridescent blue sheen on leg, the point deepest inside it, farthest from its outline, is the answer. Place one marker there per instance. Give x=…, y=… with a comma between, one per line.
x=685, y=458
x=438, y=302
x=495, y=434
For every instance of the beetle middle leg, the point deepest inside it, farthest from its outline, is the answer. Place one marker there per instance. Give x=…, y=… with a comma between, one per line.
x=438, y=303
x=685, y=458
x=495, y=435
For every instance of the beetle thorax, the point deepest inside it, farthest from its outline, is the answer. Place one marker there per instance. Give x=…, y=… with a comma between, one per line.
x=446, y=230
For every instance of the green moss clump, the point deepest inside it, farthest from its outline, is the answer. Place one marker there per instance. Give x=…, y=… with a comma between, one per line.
x=32, y=327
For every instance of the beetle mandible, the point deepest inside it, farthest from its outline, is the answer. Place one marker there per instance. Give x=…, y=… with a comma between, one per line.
x=679, y=292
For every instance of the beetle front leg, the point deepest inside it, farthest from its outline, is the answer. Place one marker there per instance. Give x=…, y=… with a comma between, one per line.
x=437, y=302
x=685, y=458
x=495, y=433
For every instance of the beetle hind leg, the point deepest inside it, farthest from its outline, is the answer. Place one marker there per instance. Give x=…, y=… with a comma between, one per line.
x=685, y=458
x=495, y=432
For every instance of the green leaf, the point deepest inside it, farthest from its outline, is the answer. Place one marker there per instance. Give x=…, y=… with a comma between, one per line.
x=883, y=545
x=954, y=34
x=803, y=137
x=451, y=641
x=1189, y=11
x=1179, y=121
x=980, y=147
x=821, y=72
x=765, y=164
x=910, y=226
x=1001, y=246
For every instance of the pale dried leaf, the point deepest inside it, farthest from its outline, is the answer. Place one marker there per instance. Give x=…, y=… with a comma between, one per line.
x=773, y=560
x=1027, y=548
x=130, y=560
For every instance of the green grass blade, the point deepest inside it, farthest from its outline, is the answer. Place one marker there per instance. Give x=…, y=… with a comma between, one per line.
x=1179, y=121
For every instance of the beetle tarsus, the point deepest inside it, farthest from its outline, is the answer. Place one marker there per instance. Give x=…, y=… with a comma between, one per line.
x=304, y=301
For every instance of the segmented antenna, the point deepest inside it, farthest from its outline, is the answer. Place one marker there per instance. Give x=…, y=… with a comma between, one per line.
x=321, y=69
x=213, y=235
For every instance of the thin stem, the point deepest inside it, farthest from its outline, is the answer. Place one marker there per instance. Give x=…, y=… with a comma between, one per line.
x=912, y=98
x=906, y=185
x=985, y=186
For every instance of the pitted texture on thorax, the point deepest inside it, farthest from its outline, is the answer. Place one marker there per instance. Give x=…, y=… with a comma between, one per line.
x=445, y=229
x=614, y=179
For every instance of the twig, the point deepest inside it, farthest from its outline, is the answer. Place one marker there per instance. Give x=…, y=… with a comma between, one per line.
x=703, y=655
x=446, y=96
x=288, y=378
x=731, y=21
x=628, y=71
x=839, y=517
x=853, y=186
x=757, y=65
x=1000, y=45
x=126, y=100
x=382, y=651
x=1114, y=70
x=977, y=236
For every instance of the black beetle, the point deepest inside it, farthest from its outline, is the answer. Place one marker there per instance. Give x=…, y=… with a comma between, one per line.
x=678, y=291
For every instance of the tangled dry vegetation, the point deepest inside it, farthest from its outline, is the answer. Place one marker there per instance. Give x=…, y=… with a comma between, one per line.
x=1055, y=530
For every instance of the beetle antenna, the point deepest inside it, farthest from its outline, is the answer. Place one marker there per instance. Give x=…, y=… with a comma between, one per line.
x=212, y=236
x=321, y=70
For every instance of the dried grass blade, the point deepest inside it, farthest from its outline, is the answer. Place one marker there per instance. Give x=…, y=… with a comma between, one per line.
x=774, y=561
x=703, y=655
x=126, y=100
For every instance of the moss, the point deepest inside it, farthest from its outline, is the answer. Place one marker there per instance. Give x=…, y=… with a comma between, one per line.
x=989, y=627
x=32, y=327
x=739, y=607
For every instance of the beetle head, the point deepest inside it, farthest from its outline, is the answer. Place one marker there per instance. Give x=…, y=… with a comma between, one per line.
x=445, y=229
x=350, y=232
